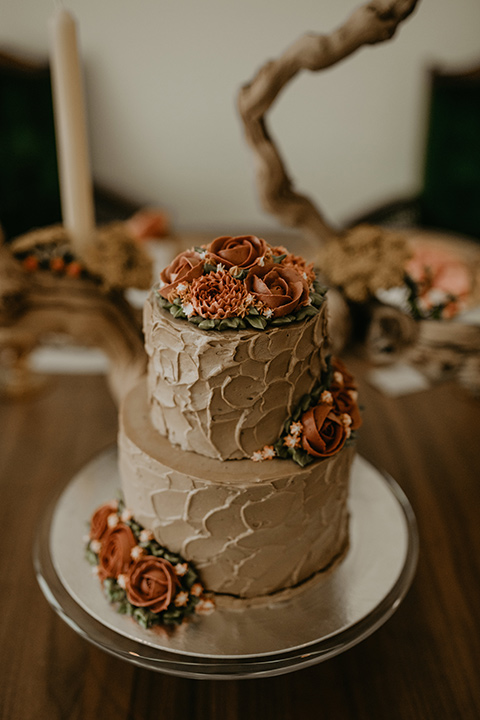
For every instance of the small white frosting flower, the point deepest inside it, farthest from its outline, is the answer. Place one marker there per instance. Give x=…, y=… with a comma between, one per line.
x=346, y=420
x=181, y=569
x=112, y=520
x=188, y=309
x=205, y=606
x=122, y=581
x=353, y=394
x=268, y=312
x=291, y=441
x=261, y=261
x=268, y=452
x=257, y=456
x=196, y=590
x=145, y=536
x=296, y=428
x=181, y=599
x=95, y=545
x=136, y=552
x=126, y=515
x=181, y=287
x=326, y=397
x=220, y=267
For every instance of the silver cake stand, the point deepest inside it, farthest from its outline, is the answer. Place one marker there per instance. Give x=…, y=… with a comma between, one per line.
x=344, y=607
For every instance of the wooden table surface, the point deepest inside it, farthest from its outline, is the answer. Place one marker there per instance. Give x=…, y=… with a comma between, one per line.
x=423, y=663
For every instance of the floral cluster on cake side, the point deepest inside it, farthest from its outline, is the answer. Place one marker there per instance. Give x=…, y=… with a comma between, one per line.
x=240, y=282
x=143, y=579
x=323, y=422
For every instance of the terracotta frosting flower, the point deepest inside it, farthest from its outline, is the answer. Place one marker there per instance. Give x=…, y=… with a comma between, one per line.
x=114, y=557
x=344, y=393
x=324, y=433
x=186, y=266
x=280, y=289
x=296, y=262
x=242, y=251
x=218, y=295
x=99, y=523
x=151, y=582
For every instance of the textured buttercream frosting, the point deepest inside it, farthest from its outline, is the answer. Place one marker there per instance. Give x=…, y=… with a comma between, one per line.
x=251, y=529
x=227, y=394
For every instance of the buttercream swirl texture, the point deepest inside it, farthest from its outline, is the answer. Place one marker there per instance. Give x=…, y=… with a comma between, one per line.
x=224, y=395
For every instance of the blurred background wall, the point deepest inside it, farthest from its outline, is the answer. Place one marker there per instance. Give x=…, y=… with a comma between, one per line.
x=161, y=85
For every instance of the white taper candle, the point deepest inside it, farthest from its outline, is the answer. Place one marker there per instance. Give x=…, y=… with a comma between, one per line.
x=76, y=191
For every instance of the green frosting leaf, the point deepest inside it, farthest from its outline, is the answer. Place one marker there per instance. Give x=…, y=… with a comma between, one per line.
x=206, y=324
x=257, y=321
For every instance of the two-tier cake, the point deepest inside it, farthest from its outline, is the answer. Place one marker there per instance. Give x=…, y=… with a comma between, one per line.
x=235, y=450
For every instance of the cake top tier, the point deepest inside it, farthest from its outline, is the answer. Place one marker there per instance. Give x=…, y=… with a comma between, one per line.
x=240, y=282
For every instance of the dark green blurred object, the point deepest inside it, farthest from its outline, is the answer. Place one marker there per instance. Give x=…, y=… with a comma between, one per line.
x=450, y=199
x=29, y=188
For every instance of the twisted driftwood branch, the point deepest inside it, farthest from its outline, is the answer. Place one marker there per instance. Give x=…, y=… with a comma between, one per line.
x=372, y=23
x=93, y=312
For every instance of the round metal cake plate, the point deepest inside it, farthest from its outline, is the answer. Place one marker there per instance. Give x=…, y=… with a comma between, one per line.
x=345, y=606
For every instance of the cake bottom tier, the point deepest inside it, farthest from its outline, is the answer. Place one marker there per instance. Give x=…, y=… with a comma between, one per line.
x=250, y=528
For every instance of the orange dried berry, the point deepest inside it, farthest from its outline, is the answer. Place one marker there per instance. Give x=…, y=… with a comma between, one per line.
x=57, y=264
x=73, y=269
x=30, y=263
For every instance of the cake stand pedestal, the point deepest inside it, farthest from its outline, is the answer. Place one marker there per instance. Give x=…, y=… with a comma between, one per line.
x=344, y=607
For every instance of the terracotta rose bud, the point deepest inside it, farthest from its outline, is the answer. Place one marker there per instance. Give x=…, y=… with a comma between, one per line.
x=280, y=289
x=183, y=269
x=99, y=523
x=324, y=434
x=114, y=557
x=242, y=251
x=151, y=582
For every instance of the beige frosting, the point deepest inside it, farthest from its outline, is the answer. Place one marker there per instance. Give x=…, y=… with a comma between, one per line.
x=227, y=394
x=250, y=528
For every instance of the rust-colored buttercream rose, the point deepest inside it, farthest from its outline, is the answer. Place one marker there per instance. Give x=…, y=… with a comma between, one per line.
x=217, y=295
x=324, y=434
x=282, y=290
x=114, y=557
x=183, y=269
x=99, y=522
x=242, y=251
x=151, y=582
x=296, y=262
x=344, y=392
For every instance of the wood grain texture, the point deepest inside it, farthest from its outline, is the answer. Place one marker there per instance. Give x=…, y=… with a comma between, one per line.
x=422, y=664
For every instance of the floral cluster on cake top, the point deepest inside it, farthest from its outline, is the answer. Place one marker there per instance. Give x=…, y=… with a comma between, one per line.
x=240, y=282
